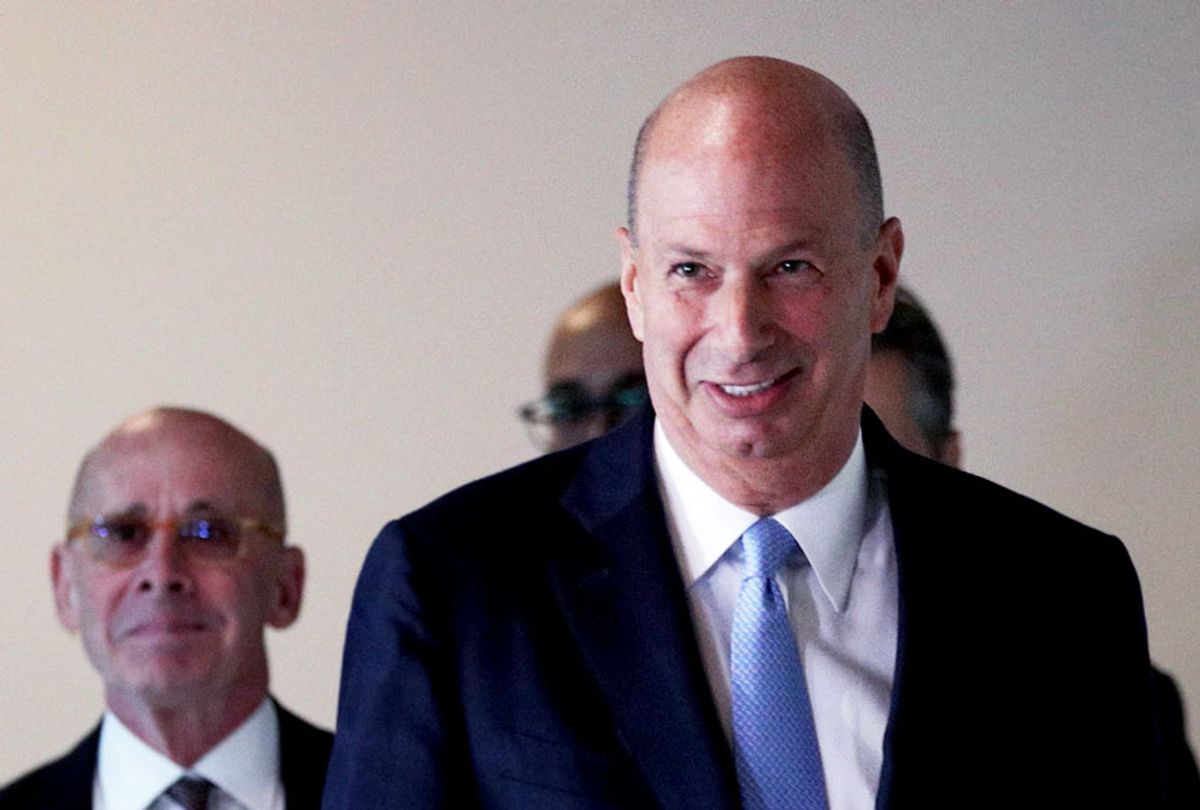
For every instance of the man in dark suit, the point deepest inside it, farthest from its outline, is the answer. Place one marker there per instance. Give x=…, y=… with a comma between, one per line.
x=750, y=596
x=910, y=385
x=173, y=564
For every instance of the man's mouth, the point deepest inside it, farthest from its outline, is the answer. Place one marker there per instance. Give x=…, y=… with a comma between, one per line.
x=168, y=624
x=747, y=390
x=157, y=628
x=751, y=389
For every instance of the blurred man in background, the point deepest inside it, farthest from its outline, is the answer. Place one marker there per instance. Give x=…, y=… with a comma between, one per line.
x=174, y=562
x=592, y=373
x=910, y=382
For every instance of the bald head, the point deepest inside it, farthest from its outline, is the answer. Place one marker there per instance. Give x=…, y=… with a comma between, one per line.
x=760, y=106
x=592, y=374
x=210, y=440
x=592, y=340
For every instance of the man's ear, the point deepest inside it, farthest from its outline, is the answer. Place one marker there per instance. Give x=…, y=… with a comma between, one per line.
x=288, y=588
x=66, y=594
x=885, y=272
x=630, y=286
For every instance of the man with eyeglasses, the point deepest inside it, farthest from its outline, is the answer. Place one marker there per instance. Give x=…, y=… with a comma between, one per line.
x=593, y=373
x=173, y=564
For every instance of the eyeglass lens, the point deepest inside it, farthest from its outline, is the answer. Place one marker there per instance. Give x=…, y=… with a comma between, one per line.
x=124, y=538
x=570, y=401
x=568, y=414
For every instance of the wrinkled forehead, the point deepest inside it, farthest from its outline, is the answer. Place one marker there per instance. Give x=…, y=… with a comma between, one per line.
x=166, y=473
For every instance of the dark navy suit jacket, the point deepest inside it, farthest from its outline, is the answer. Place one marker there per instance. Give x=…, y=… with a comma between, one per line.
x=525, y=642
x=66, y=783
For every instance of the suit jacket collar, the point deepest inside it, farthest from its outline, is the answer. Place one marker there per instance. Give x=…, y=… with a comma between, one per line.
x=70, y=779
x=303, y=757
x=623, y=597
x=917, y=503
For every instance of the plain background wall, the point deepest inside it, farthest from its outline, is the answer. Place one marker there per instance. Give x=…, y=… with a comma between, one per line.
x=348, y=227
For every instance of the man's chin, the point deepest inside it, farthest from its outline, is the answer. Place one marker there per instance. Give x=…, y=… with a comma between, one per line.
x=169, y=684
x=749, y=439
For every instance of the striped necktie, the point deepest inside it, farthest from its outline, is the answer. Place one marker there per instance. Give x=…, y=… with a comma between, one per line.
x=191, y=792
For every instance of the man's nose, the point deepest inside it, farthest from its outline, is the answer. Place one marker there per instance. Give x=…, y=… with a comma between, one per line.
x=743, y=318
x=165, y=567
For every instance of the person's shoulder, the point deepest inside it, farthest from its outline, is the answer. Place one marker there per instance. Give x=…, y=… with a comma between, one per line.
x=304, y=751
x=292, y=727
x=65, y=782
x=962, y=504
x=531, y=492
x=513, y=517
x=1012, y=506
x=478, y=522
x=616, y=461
x=949, y=497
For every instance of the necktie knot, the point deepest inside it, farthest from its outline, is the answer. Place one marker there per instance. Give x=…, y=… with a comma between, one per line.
x=766, y=545
x=191, y=792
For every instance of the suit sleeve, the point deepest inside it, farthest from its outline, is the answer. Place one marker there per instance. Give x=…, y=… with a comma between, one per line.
x=399, y=740
x=1114, y=693
x=1182, y=777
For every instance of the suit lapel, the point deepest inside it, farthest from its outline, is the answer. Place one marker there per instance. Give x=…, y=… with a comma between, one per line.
x=622, y=596
x=303, y=758
x=69, y=785
x=922, y=604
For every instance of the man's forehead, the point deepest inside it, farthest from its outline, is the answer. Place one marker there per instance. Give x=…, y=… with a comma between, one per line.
x=170, y=470
x=735, y=197
x=750, y=164
x=732, y=126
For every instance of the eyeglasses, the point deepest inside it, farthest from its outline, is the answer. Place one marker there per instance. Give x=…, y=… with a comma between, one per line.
x=121, y=540
x=568, y=414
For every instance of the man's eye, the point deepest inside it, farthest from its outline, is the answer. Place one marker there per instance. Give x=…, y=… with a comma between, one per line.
x=215, y=530
x=794, y=266
x=687, y=269
x=122, y=531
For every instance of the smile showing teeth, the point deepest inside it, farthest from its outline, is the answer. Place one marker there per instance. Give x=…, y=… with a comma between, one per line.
x=747, y=390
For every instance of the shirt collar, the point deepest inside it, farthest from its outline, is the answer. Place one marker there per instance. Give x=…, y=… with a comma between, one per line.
x=828, y=525
x=245, y=765
x=131, y=774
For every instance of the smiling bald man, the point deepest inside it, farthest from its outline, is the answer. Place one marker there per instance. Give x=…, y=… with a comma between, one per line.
x=750, y=595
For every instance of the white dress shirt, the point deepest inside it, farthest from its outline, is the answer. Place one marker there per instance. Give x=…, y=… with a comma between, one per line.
x=244, y=767
x=842, y=606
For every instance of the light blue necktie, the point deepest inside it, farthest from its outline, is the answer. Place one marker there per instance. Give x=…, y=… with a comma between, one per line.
x=774, y=739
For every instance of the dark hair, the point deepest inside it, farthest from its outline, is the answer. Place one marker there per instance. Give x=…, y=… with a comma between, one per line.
x=912, y=334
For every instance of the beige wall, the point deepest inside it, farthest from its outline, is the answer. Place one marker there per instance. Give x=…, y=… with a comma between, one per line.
x=347, y=227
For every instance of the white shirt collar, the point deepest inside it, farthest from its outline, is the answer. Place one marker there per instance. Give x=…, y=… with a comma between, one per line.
x=829, y=525
x=245, y=765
